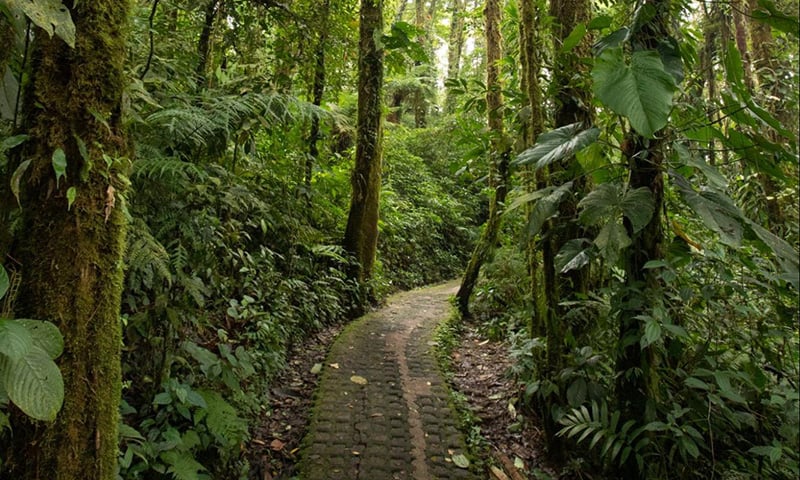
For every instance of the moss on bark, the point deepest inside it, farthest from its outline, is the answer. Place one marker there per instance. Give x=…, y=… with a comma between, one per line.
x=361, y=234
x=72, y=258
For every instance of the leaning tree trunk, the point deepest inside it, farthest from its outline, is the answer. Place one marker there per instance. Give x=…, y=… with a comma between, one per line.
x=361, y=234
x=72, y=255
x=499, y=158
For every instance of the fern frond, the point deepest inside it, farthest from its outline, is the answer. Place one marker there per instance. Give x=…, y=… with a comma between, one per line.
x=145, y=257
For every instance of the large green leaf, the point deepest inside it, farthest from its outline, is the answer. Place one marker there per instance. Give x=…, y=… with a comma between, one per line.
x=15, y=340
x=719, y=215
x=34, y=384
x=611, y=240
x=599, y=204
x=49, y=15
x=546, y=208
x=573, y=255
x=45, y=335
x=638, y=206
x=641, y=91
x=558, y=144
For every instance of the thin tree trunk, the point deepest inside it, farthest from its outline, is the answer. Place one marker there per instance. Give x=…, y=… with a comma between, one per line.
x=530, y=56
x=72, y=257
x=498, y=158
x=401, y=9
x=420, y=102
x=317, y=92
x=361, y=234
x=455, y=46
x=204, y=43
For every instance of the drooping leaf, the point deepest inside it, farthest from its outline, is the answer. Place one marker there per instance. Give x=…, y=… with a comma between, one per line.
x=546, y=208
x=45, y=335
x=4, y=281
x=49, y=15
x=15, y=340
x=573, y=255
x=715, y=217
x=638, y=206
x=59, y=164
x=574, y=38
x=34, y=384
x=715, y=179
x=72, y=192
x=557, y=145
x=17, y=176
x=640, y=91
x=612, y=40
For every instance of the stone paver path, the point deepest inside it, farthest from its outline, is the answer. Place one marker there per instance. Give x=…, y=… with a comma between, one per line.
x=382, y=410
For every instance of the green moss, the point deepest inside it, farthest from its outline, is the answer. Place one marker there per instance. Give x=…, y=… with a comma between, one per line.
x=71, y=259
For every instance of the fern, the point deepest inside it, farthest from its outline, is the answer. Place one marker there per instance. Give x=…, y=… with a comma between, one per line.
x=147, y=261
x=620, y=441
x=221, y=419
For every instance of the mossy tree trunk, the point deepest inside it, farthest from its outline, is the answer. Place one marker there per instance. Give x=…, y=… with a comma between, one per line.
x=361, y=234
x=498, y=158
x=531, y=59
x=204, y=43
x=572, y=106
x=72, y=258
x=637, y=378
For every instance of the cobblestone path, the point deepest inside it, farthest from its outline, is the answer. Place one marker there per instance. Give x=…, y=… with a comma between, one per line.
x=382, y=410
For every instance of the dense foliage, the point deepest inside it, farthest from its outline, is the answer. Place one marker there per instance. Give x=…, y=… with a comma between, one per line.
x=644, y=268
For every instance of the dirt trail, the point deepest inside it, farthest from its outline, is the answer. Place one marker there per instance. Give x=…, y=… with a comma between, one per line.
x=382, y=409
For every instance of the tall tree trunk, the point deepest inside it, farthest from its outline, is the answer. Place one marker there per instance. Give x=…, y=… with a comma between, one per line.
x=572, y=106
x=72, y=257
x=637, y=379
x=317, y=91
x=361, y=234
x=763, y=64
x=498, y=157
x=530, y=57
x=455, y=46
x=204, y=43
x=420, y=102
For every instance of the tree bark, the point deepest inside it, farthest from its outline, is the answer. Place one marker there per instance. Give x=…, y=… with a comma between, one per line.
x=361, y=234
x=498, y=157
x=637, y=379
x=204, y=43
x=572, y=106
x=72, y=257
x=455, y=46
x=317, y=92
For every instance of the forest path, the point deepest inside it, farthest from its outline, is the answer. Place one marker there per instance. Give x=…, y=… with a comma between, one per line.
x=382, y=410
